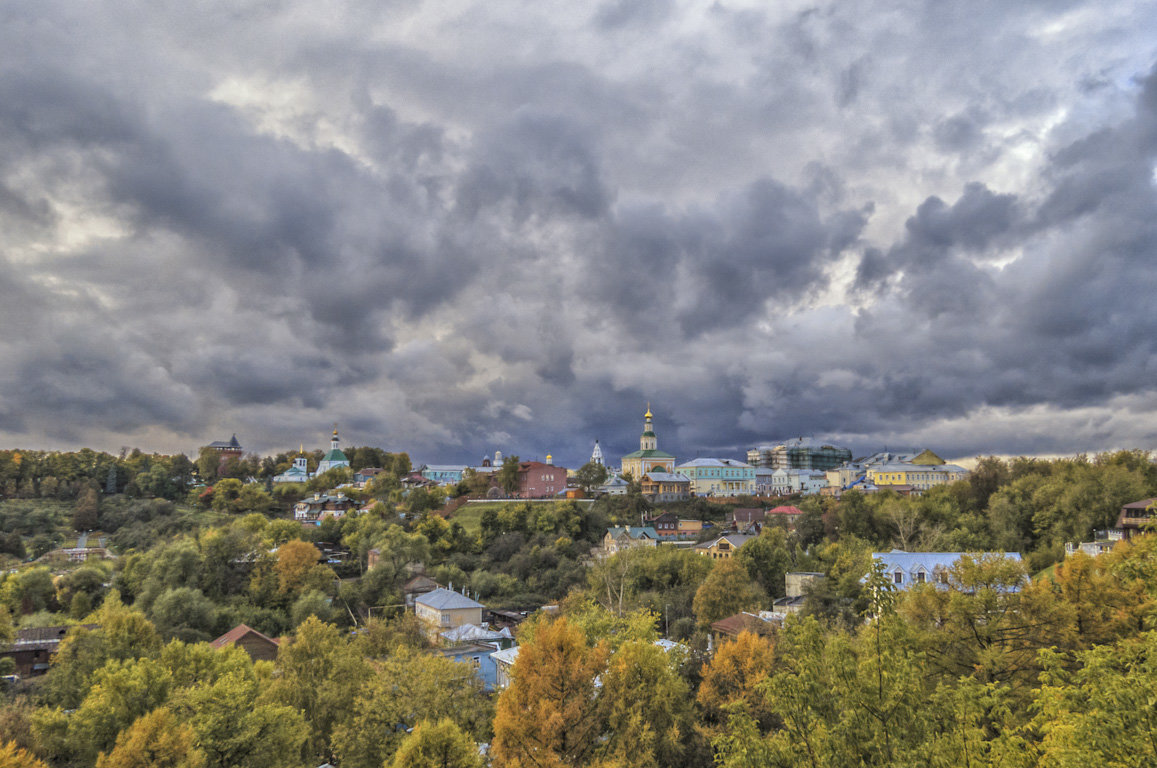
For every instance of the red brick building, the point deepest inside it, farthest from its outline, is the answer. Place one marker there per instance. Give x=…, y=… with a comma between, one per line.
x=540, y=481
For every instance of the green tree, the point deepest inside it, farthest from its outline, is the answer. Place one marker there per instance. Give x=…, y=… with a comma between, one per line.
x=120, y=634
x=645, y=706
x=508, y=475
x=85, y=514
x=122, y=691
x=319, y=676
x=404, y=690
x=767, y=559
x=185, y=613
x=990, y=623
x=155, y=740
x=590, y=476
x=1102, y=713
x=727, y=590
x=208, y=462
x=437, y=745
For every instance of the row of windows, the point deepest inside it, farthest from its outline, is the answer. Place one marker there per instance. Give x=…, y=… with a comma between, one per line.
x=920, y=577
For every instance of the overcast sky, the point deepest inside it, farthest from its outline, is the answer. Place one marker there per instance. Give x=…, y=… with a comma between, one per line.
x=454, y=227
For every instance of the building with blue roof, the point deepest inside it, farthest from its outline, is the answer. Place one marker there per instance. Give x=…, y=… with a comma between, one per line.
x=905, y=569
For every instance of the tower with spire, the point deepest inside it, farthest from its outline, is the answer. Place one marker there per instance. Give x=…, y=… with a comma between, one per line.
x=597, y=455
x=648, y=458
x=335, y=458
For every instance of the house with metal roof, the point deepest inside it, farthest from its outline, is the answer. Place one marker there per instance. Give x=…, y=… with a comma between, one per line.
x=443, y=609
x=905, y=569
x=503, y=663
x=626, y=536
x=719, y=477
x=725, y=546
x=666, y=486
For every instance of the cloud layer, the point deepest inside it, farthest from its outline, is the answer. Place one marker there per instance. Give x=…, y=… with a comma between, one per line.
x=456, y=227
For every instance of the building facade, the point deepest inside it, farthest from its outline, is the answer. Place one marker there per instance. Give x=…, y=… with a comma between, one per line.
x=666, y=486
x=443, y=609
x=920, y=477
x=719, y=477
x=538, y=480
x=444, y=474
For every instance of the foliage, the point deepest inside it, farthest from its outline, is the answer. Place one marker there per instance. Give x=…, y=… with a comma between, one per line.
x=440, y=744
x=13, y=756
x=727, y=590
x=548, y=715
x=645, y=706
x=400, y=692
x=155, y=740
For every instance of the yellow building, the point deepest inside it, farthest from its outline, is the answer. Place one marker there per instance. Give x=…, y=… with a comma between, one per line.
x=444, y=609
x=919, y=477
x=648, y=458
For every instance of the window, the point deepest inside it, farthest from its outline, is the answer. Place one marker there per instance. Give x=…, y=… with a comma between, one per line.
x=898, y=577
x=920, y=577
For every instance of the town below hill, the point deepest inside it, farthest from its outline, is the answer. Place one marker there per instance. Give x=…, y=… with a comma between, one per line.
x=348, y=607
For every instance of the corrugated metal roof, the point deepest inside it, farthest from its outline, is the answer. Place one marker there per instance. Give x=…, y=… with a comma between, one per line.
x=443, y=599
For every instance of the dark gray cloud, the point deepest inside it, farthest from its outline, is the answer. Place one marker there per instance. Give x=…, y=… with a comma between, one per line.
x=512, y=227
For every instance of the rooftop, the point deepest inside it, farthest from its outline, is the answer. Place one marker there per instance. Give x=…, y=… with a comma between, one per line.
x=442, y=599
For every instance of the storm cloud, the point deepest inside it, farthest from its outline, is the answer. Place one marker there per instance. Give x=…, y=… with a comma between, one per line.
x=456, y=228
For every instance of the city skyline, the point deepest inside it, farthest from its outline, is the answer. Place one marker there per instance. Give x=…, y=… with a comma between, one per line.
x=455, y=228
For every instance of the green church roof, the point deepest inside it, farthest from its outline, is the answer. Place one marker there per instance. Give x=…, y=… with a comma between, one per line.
x=653, y=454
x=335, y=454
x=648, y=433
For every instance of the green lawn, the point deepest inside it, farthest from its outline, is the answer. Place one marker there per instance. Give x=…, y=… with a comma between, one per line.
x=470, y=516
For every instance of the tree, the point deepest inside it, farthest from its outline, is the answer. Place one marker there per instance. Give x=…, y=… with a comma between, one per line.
x=404, y=690
x=590, y=476
x=645, y=706
x=990, y=624
x=732, y=676
x=727, y=590
x=185, y=613
x=13, y=756
x=1102, y=713
x=767, y=559
x=319, y=677
x=295, y=562
x=437, y=745
x=237, y=728
x=121, y=634
x=155, y=740
x=85, y=514
x=226, y=494
x=508, y=475
x=548, y=716
x=122, y=691
x=208, y=462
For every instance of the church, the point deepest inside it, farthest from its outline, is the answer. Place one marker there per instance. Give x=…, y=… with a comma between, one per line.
x=299, y=472
x=648, y=458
